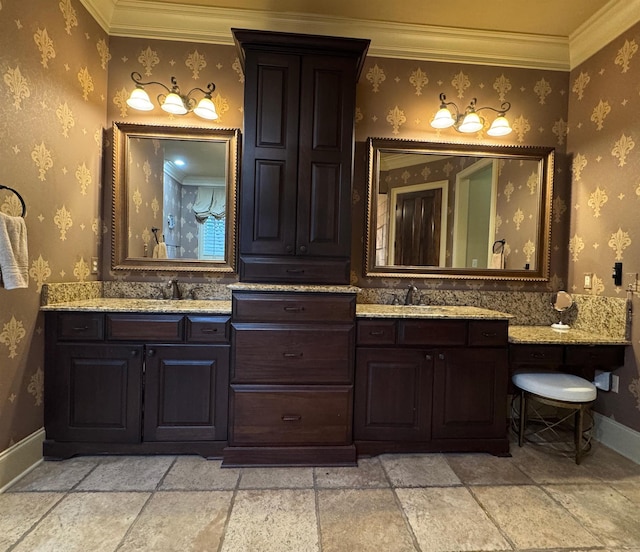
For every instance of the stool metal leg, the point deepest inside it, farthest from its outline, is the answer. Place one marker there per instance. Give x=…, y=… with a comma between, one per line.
x=579, y=421
x=523, y=416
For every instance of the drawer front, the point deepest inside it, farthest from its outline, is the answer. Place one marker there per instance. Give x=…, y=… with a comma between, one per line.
x=168, y=328
x=610, y=356
x=293, y=354
x=536, y=354
x=488, y=333
x=293, y=307
x=376, y=332
x=207, y=329
x=292, y=415
x=76, y=326
x=287, y=269
x=432, y=332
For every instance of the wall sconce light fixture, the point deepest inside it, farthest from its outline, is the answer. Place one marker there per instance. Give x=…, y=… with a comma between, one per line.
x=173, y=101
x=470, y=121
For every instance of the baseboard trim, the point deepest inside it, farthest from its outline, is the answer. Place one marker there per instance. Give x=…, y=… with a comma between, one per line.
x=20, y=459
x=618, y=437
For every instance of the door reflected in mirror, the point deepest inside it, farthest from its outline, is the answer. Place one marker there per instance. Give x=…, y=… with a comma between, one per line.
x=448, y=210
x=174, y=198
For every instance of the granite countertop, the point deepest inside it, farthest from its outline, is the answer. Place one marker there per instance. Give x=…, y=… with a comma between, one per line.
x=208, y=306
x=540, y=335
x=427, y=311
x=294, y=288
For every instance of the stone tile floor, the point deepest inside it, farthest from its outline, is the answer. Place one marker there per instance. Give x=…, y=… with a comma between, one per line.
x=535, y=500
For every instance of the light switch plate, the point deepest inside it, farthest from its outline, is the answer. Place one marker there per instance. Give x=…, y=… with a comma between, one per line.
x=588, y=280
x=94, y=265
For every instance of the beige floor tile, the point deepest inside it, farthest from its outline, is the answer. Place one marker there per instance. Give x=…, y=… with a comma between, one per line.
x=56, y=476
x=532, y=519
x=628, y=490
x=620, y=527
x=172, y=521
x=448, y=519
x=608, y=465
x=366, y=520
x=367, y=474
x=272, y=521
x=197, y=473
x=276, y=478
x=85, y=521
x=418, y=470
x=543, y=466
x=127, y=473
x=486, y=469
x=18, y=513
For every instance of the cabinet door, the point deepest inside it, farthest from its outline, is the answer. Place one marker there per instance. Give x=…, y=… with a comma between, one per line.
x=393, y=390
x=95, y=393
x=470, y=393
x=186, y=390
x=270, y=156
x=327, y=97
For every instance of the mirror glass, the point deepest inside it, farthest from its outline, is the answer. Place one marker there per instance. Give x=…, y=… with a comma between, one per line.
x=562, y=301
x=458, y=210
x=174, y=198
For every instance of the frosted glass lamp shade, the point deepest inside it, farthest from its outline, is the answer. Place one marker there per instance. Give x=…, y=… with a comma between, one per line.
x=471, y=123
x=206, y=109
x=499, y=127
x=443, y=119
x=139, y=100
x=173, y=104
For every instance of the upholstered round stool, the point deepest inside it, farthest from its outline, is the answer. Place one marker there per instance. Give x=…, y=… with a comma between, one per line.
x=560, y=390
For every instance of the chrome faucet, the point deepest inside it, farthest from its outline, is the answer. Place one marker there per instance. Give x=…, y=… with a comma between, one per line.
x=409, y=298
x=175, y=289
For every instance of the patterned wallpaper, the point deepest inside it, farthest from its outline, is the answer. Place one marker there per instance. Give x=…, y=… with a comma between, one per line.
x=604, y=146
x=55, y=62
x=53, y=84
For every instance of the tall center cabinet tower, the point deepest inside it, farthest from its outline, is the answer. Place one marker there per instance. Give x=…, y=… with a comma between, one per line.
x=295, y=196
x=293, y=313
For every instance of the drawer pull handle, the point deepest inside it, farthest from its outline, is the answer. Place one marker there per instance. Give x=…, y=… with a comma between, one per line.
x=489, y=334
x=377, y=332
x=292, y=355
x=291, y=417
x=209, y=330
x=294, y=309
x=295, y=270
x=538, y=355
x=80, y=328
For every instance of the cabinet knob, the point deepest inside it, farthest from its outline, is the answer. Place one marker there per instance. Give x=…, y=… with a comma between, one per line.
x=151, y=352
x=303, y=249
x=441, y=356
x=288, y=248
x=134, y=352
x=428, y=357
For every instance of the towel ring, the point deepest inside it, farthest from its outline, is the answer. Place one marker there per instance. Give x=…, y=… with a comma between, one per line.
x=498, y=246
x=24, y=207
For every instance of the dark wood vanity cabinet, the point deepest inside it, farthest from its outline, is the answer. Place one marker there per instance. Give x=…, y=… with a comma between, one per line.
x=295, y=194
x=128, y=383
x=291, y=393
x=431, y=385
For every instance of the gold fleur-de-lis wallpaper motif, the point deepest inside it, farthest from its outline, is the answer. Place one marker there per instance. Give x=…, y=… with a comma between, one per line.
x=576, y=246
x=18, y=86
x=148, y=59
x=419, y=80
x=69, y=15
x=596, y=200
x=625, y=54
x=45, y=45
x=580, y=83
x=196, y=62
x=376, y=77
x=36, y=386
x=579, y=163
x=542, y=90
x=600, y=111
x=619, y=241
x=621, y=149
x=63, y=221
x=460, y=83
x=12, y=334
x=40, y=272
x=65, y=117
x=502, y=85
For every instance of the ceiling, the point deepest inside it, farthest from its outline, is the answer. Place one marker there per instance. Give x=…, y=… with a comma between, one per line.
x=546, y=34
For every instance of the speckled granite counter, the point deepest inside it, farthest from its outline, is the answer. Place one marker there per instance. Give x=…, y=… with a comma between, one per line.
x=293, y=288
x=143, y=305
x=534, y=335
x=427, y=311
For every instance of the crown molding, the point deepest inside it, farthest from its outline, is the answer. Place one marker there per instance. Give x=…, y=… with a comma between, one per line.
x=608, y=23
x=159, y=20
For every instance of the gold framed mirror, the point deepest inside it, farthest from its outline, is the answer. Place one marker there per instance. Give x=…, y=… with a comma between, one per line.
x=437, y=210
x=174, y=198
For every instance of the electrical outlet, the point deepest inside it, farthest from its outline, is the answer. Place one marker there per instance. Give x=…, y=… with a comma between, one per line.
x=615, y=383
x=588, y=280
x=94, y=265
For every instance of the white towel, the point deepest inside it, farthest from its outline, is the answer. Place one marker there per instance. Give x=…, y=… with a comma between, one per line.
x=160, y=251
x=497, y=260
x=14, y=254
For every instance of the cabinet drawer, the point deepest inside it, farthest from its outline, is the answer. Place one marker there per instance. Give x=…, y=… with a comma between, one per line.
x=488, y=333
x=293, y=354
x=295, y=415
x=288, y=269
x=376, y=332
x=207, y=329
x=610, y=356
x=536, y=354
x=432, y=332
x=293, y=307
x=75, y=326
x=136, y=327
